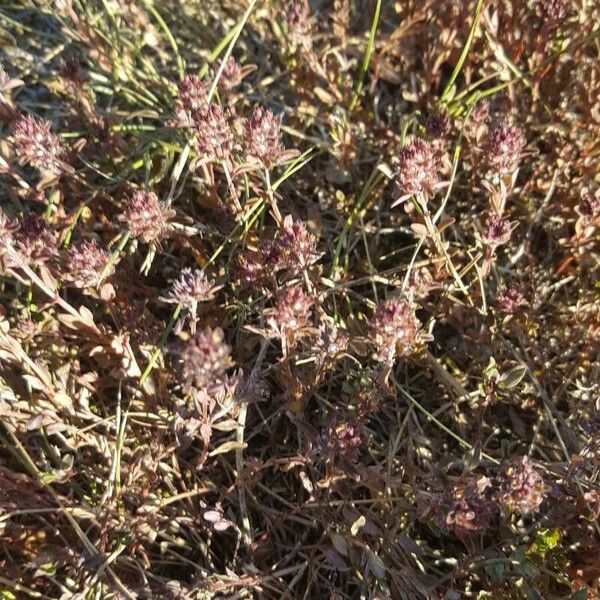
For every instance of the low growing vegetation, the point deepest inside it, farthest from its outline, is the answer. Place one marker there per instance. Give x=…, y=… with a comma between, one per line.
x=300, y=300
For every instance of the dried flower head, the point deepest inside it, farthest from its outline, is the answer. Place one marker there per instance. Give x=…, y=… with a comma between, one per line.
x=418, y=169
x=34, y=241
x=437, y=126
x=498, y=233
x=297, y=246
x=192, y=286
x=257, y=268
x=299, y=23
x=332, y=340
x=465, y=510
x=341, y=441
x=395, y=330
x=504, y=149
x=86, y=262
x=231, y=76
x=589, y=207
x=510, y=299
x=552, y=13
x=522, y=488
x=206, y=358
x=262, y=136
x=191, y=99
x=36, y=145
x=148, y=219
x=212, y=137
x=292, y=309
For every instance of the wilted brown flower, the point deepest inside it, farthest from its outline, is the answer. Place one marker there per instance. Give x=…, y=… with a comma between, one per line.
x=504, y=149
x=465, y=510
x=342, y=440
x=292, y=309
x=262, y=136
x=148, y=219
x=418, y=169
x=522, y=487
x=395, y=330
x=36, y=145
x=85, y=262
x=297, y=246
x=206, y=358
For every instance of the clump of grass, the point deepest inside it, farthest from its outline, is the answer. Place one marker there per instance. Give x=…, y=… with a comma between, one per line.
x=299, y=300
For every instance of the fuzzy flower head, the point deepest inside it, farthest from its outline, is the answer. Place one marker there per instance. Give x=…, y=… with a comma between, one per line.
x=292, y=309
x=298, y=247
x=262, y=136
x=418, y=169
x=552, y=13
x=395, y=330
x=213, y=136
x=36, y=145
x=86, y=262
x=504, y=149
x=206, y=358
x=148, y=219
x=522, y=487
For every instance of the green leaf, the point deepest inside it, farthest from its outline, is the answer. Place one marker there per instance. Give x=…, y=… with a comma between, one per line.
x=512, y=378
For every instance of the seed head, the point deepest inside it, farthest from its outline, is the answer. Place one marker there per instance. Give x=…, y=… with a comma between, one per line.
x=395, y=330
x=522, y=487
x=589, y=207
x=262, y=136
x=147, y=218
x=418, y=169
x=297, y=246
x=86, y=262
x=292, y=309
x=504, y=149
x=36, y=145
x=206, y=358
